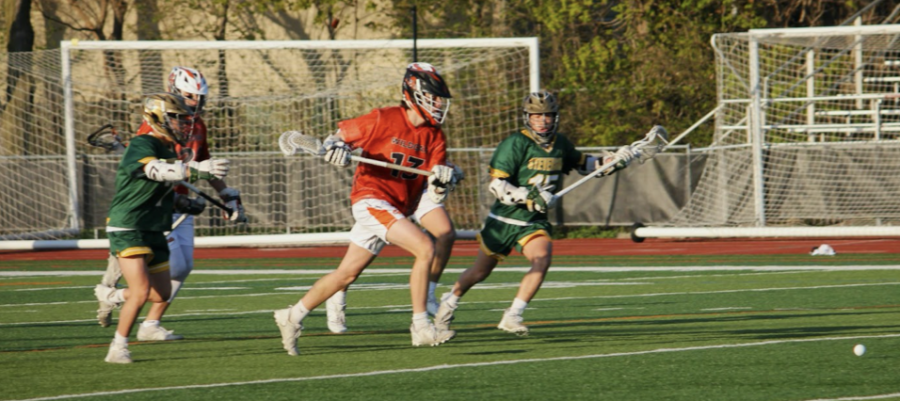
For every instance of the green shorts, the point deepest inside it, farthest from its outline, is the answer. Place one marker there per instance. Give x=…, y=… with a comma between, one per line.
x=151, y=244
x=498, y=239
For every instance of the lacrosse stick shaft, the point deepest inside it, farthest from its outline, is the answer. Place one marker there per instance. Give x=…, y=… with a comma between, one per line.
x=638, y=145
x=204, y=195
x=593, y=174
x=292, y=141
x=177, y=223
x=390, y=165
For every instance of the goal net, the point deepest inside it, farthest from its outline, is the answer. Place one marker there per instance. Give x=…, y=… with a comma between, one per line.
x=806, y=131
x=58, y=186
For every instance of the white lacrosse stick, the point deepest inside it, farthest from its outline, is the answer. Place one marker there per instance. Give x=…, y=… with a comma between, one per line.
x=177, y=223
x=292, y=141
x=645, y=149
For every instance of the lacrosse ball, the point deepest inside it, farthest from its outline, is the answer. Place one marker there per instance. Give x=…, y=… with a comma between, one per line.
x=859, y=349
x=74, y=42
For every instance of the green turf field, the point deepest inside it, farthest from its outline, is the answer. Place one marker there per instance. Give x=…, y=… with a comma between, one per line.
x=776, y=327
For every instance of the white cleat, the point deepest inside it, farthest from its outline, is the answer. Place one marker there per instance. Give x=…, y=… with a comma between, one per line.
x=106, y=305
x=156, y=333
x=337, y=318
x=112, y=274
x=289, y=330
x=429, y=335
x=118, y=354
x=512, y=323
x=444, y=315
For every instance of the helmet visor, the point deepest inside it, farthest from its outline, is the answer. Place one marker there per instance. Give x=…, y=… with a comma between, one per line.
x=434, y=105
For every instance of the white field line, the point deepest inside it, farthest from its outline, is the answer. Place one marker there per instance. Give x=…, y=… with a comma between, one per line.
x=522, y=269
x=478, y=364
x=407, y=307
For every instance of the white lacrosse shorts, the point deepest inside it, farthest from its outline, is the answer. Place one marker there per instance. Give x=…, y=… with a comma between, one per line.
x=425, y=205
x=374, y=217
x=181, y=248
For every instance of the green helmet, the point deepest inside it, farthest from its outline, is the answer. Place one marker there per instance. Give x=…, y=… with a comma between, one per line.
x=169, y=116
x=541, y=102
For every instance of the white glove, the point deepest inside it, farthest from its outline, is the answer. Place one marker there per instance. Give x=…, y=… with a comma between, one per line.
x=336, y=151
x=232, y=199
x=438, y=182
x=625, y=154
x=458, y=175
x=209, y=169
x=540, y=200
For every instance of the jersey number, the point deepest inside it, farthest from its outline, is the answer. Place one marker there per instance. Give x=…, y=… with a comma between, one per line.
x=412, y=161
x=545, y=181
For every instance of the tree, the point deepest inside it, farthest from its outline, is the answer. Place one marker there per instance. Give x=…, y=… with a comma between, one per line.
x=622, y=66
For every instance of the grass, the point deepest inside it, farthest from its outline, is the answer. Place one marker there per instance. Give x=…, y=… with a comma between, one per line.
x=662, y=331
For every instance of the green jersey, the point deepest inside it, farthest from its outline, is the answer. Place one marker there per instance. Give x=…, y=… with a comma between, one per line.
x=141, y=203
x=524, y=163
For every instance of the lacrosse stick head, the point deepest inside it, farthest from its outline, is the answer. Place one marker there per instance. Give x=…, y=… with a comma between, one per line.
x=291, y=142
x=652, y=143
x=106, y=138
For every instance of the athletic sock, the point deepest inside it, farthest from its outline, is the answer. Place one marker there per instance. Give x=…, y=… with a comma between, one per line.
x=420, y=320
x=150, y=323
x=176, y=285
x=298, y=312
x=432, y=285
x=452, y=300
x=120, y=340
x=118, y=296
x=339, y=298
x=518, y=307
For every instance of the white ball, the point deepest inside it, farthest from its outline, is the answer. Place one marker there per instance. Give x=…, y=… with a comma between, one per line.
x=859, y=349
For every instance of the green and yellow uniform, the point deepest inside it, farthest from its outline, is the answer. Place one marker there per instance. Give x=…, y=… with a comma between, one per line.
x=523, y=162
x=141, y=209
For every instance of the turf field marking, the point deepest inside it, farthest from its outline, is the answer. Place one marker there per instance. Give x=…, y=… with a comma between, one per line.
x=406, y=307
x=598, y=269
x=482, y=364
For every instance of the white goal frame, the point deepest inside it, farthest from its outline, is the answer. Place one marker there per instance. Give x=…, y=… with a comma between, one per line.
x=760, y=103
x=45, y=240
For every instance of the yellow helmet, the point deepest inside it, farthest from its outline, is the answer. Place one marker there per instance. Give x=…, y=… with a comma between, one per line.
x=169, y=116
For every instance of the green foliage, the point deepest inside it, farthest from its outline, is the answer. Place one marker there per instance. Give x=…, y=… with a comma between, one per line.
x=621, y=67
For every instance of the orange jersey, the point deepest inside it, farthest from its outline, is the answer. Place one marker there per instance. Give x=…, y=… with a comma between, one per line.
x=387, y=135
x=196, y=150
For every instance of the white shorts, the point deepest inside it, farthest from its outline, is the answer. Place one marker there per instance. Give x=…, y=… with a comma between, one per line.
x=425, y=205
x=374, y=217
x=181, y=248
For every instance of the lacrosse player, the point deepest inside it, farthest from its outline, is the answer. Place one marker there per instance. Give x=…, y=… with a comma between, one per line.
x=382, y=198
x=525, y=170
x=191, y=85
x=141, y=210
x=433, y=217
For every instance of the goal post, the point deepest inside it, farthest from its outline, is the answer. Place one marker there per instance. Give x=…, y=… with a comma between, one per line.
x=807, y=137
x=258, y=89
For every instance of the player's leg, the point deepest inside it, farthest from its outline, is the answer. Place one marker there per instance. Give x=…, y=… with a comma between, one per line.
x=373, y=217
x=181, y=260
x=408, y=236
x=109, y=281
x=437, y=222
x=290, y=319
x=484, y=265
x=539, y=250
x=336, y=311
x=496, y=241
